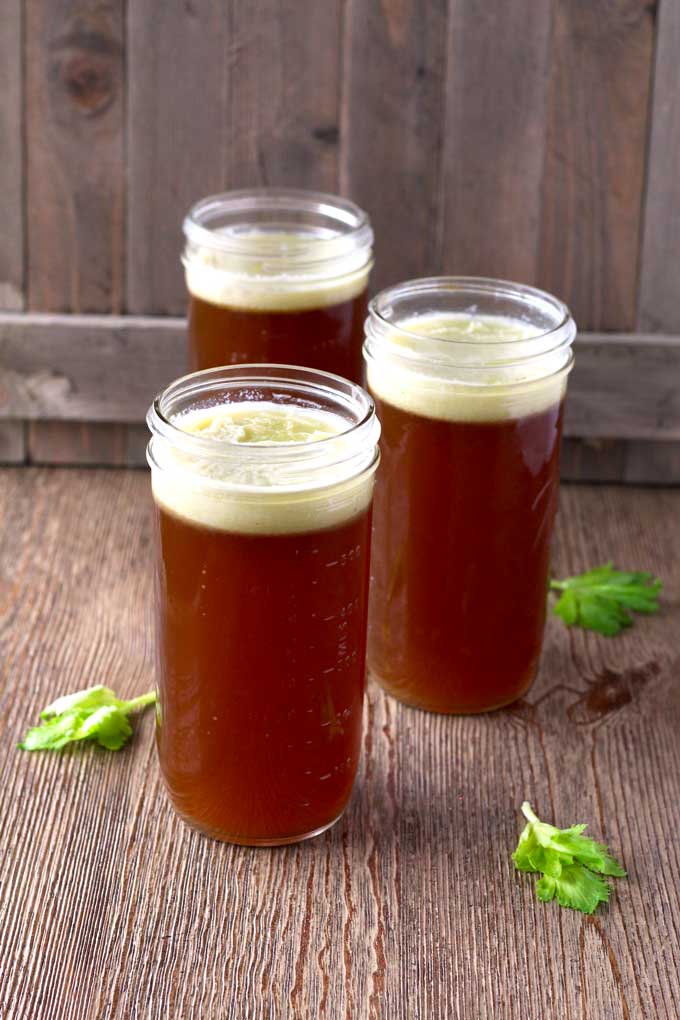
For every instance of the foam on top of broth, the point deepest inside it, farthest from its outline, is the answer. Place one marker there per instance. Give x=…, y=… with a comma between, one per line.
x=504, y=389
x=256, y=499
x=261, y=423
x=251, y=284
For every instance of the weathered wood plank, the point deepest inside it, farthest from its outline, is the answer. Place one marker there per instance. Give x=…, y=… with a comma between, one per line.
x=12, y=442
x=659, y=301
x=392, y=126
x=87, y=368
x=221, y=96
x=95, y=368
x=657, y=463
x=638, y=461
x=74, y=148
x=136, y=439
x=284, y=89
x=12, y=209
x=69, y=442
x=625, y=387
x=590, y=460
x=593, y=181
x=99, y=444
x=498, y=59
x=177, y=66
x=410, y=907
x=104, y=444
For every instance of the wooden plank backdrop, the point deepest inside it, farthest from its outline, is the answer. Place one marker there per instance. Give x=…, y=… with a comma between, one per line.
x=659, y=304
x=12, y=434
x=594, y=171
x=536, y=142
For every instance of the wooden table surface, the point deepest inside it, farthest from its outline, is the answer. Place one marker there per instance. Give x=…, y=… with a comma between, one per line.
x=410, y=907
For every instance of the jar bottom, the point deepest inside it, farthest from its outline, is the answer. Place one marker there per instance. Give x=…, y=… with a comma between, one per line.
x=427, y=705
x=224, y=837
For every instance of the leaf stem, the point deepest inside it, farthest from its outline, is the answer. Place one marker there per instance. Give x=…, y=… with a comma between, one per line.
x=140, y=702
x=528, y=813
x=557, y=585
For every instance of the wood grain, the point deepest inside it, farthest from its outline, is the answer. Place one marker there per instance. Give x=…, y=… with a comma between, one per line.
x=640, y=462
x=410, y=907
x=178, y=59
x=221, y=96
x=74, y=150
x=637, y=461
x=498, y=61
x=68, y=442
x=658, y=305
x=486, y=138
x=12, y=442
x=392, y=128
x=284, y=94
x=598, y=98
x=94, y=443
x=96, y=368
x=75, y=163
x=89, y=368
x=624, y=387
x=12, y=208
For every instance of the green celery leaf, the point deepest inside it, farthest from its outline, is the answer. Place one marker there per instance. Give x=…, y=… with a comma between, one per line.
x=93, y=714
x=91, y=698
x=581, y=889
x=54, y=734
x=109, y=726
x=545, y=889
x=567, y=607
x=590, y=853
x=569, y=862
x=604, y=598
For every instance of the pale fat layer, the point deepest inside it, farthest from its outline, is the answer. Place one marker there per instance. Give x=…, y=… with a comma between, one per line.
x=230, y=282
x=504, y=392
x=214, y=502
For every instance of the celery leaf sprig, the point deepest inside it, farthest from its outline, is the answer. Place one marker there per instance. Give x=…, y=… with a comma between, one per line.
x=604, y=598
x=571, y=864
x=93, y=714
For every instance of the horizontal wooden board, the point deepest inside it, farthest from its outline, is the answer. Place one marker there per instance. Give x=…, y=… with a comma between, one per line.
x=86, y=368
x=12, y=442
x=95, y=443
x=105, y=444
x=108, y=368
x=635, y=461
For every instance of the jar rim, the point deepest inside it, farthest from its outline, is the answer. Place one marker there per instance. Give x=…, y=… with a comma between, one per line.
x=563, y=331
x=348, y=447
x=321, y=227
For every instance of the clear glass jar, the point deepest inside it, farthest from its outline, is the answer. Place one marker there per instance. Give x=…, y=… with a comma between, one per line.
x=469, y=378
x=277, y=275
x=262, y=478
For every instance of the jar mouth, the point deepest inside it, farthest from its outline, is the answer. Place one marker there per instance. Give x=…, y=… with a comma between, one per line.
x=292, y=464
x=551, y=327
x=278, y=227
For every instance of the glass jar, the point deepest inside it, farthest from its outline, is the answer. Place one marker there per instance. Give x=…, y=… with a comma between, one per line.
x=262, y=478
x=277, y=275
x=469, y=378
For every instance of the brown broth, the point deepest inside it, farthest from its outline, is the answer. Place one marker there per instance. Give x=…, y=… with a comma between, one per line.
x=463, y=517
x=262, y=642
x=328, y=338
